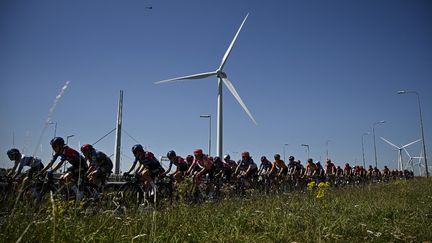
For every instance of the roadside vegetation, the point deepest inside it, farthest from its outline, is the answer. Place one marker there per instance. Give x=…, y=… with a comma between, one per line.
x=400, y=211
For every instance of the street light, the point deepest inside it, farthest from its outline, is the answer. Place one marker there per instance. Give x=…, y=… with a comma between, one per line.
x=327, y=153
x=55, y=127
x=373, y=130
x=209, y=117
x=421, y=126
x=307, y=146
x=364, y=162
x=284, y=151
x=67, y=138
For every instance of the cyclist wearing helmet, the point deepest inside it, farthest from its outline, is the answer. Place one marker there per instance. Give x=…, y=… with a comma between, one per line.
x=279, y=164
x=246, y=167
x=100, y=164
x=347, y=170
x=179, y=162
x=294, y=167
x=230, y=166
x=204, y=165
x=330, y=168
x=311, y=169
x=20, y=160
x=189, y=160
x=78, y=163
x=265, y=166
x=149, y=167
x=231, y=163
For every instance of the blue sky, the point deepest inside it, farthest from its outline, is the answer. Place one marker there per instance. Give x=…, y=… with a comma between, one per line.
x=309, y=71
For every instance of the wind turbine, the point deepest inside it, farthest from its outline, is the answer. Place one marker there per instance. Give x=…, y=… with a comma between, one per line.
x=400, y=161
x=222, y=78
x=411, y=161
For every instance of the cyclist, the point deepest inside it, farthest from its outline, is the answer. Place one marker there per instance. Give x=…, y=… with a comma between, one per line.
x=311, y=169
x=339, y=171
x=75, y=172
x=320, y=170
x=265, y=166
x=100, y=165
x=330, y=168
x=203, y=164
x=179, y=162
x=78, y=166
x=149, y=167
x=347, y=170
x=189, y=160
x=20, y=160
x=246, y=167
x=279, y=164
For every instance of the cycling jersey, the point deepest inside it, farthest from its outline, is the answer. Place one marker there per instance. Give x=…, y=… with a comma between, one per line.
x=149, y=162
x=204, y=163
x=103, y=162
x=35, y=164
x=232, y=164
x=266, y=165
x=244, y=164
x=30, y=161
x=179, y=162
x=72, y=156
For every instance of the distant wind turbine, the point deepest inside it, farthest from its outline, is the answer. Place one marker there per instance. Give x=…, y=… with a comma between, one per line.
x=411, y=161
x=400, y=160
x=222, y=78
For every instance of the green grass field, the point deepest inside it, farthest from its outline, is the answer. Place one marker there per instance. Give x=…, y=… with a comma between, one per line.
x=396, y=212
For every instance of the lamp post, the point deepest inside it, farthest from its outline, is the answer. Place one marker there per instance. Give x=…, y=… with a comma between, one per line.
x=327, y=153
x=373, y=130
x=67, y=138
x=364, y=162
x=421, y=126
x=55, y=127
x=284, y=151
x=308, y=151
x=209, y=144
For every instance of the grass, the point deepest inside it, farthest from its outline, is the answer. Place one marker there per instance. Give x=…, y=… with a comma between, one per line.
x=397, y=212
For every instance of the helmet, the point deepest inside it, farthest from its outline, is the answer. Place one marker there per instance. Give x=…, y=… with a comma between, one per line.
x=216, y=159
x=291, y=158
x=227, y=157
x=310, y=160
x=86, y=147
x=171, y=154
x=12, y=153
x=245, y=154
x=263, y=158
x=198, y=152
x=57, y=141
x=189, y=158
x=277, y=156
x=136, y=148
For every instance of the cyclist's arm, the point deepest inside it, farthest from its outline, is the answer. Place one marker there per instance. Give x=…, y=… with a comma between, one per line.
x=58, y=165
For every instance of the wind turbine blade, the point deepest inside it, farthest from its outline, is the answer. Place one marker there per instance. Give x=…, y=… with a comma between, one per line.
x=228, y=51
x=406, y=145
x=385, y=140
x=406, y=151
x=194, y=76
x=233, y=91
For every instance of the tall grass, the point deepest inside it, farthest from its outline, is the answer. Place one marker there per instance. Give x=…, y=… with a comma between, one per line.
x=400, y=211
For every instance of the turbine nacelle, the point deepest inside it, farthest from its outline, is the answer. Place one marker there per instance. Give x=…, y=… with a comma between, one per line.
x=221, y=74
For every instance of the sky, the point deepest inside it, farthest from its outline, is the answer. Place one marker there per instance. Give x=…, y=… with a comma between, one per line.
x=311, y=72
